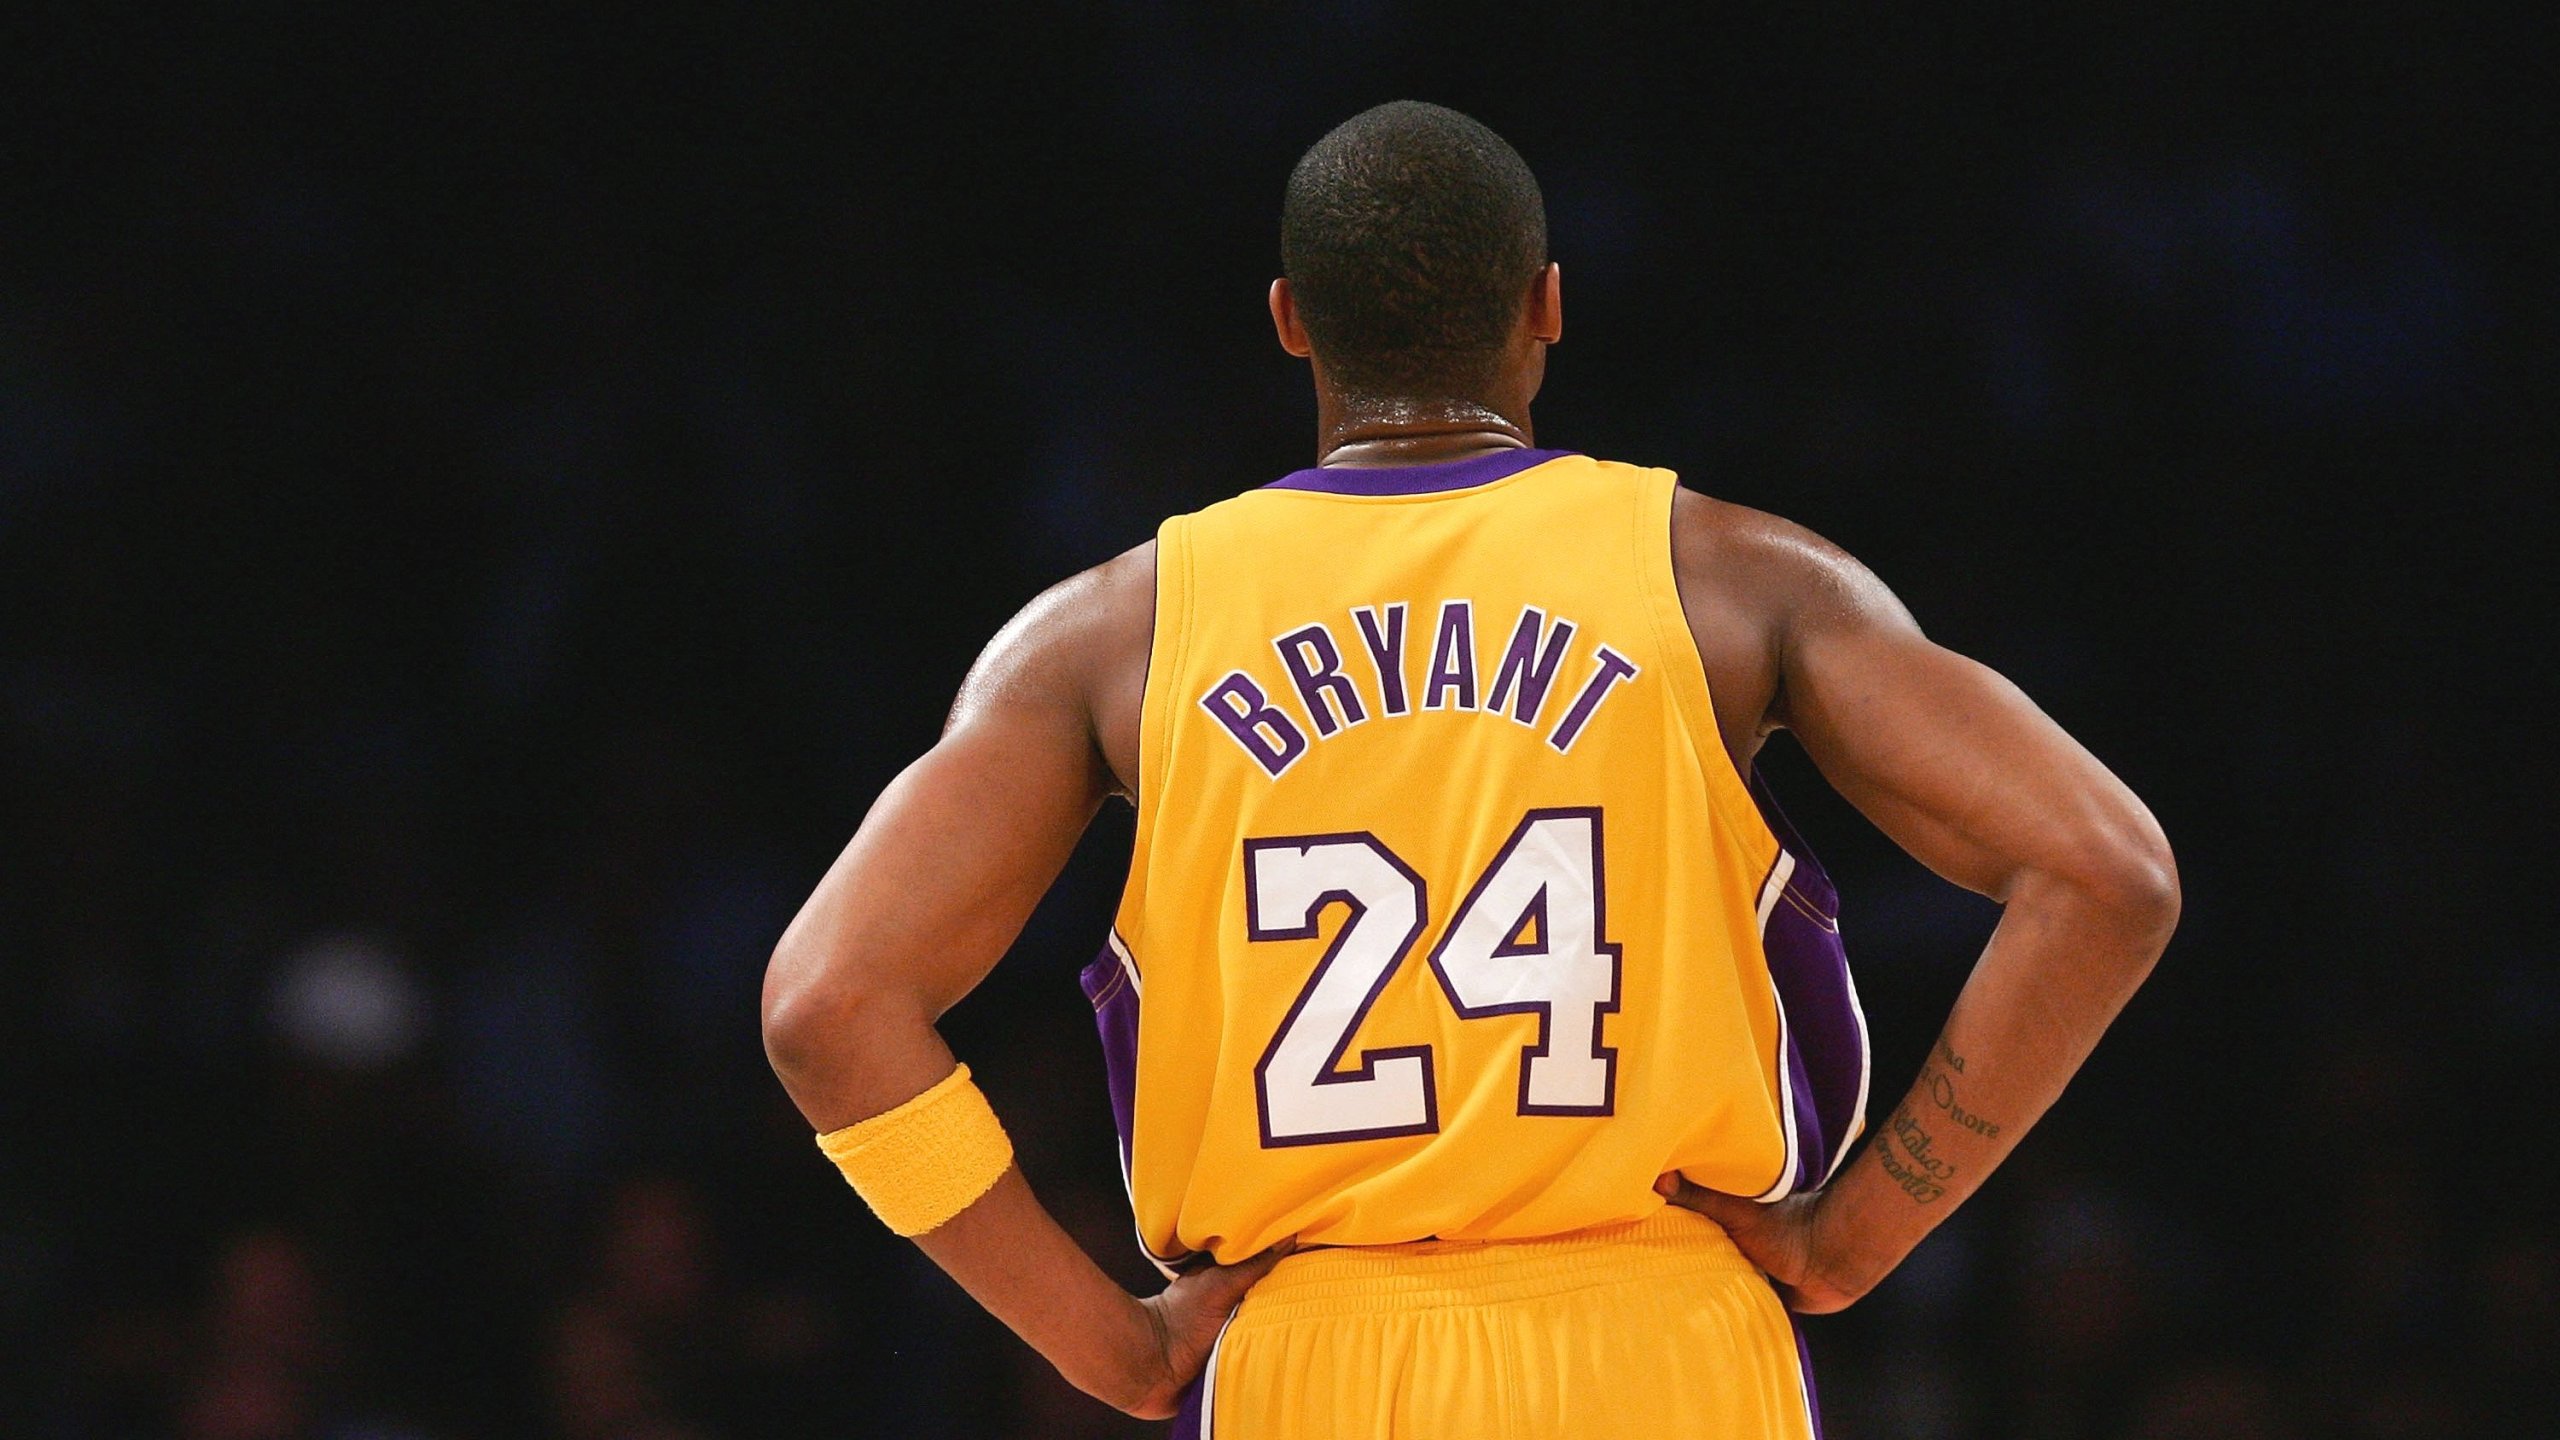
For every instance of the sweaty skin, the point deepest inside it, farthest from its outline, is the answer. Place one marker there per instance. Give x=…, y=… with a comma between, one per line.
x=1942, y=754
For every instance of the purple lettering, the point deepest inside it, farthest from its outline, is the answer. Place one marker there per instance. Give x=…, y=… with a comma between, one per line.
x=1320, y=678
x=1614, y=670
x=1240, y=705
x=1530, y=666
x=1453, y=659
x=1385, y=639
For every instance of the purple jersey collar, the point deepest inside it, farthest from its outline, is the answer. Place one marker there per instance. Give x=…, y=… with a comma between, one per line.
x=1415, y=479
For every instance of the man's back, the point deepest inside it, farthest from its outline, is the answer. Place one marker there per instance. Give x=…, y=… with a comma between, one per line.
x=1473, y=960
x=1449, y=915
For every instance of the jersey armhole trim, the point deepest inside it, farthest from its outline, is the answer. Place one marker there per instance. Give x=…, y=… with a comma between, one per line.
x=1166, y=647
x=1727, y=789
x=1728, y=793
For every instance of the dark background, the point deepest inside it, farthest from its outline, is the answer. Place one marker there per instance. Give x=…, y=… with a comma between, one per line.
x=487, y=495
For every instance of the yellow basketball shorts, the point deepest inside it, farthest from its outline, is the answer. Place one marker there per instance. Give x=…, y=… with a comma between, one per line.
x=1658, y=1327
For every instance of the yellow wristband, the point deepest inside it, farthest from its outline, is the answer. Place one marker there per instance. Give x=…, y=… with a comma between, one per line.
x=927, y=1160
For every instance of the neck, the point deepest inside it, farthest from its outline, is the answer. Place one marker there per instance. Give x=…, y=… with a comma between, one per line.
x=1371, y=430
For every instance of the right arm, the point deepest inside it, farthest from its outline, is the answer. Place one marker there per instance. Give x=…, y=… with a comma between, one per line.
x=931, y=891
x=1964, y=772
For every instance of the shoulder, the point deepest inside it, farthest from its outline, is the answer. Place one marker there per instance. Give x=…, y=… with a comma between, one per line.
x=1069, y=636
x=1076, y=656
x=1762, y=559
x=1106, y=595
x=1772, y=571
x=1756, y=588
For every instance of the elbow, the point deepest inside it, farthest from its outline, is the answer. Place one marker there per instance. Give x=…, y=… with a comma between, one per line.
x=2132, y=875
x=2147, y=894
x=2122, y=876
x=791, y=1019
x=811, y=1012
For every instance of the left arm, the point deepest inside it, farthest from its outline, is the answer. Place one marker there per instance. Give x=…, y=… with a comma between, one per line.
x=1962, y=770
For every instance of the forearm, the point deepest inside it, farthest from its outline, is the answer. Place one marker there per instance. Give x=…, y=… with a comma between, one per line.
x=1005, y=1249
x=2060, y=966
x=1015, y=1259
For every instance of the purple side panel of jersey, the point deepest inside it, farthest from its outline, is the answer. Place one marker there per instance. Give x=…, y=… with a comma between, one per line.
x=1804, y=1363
x=1115, y=1014
x=1826, y=1042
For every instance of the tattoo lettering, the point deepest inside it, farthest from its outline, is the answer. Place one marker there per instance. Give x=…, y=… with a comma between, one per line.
x=1906, y=1149
x=1942, y=1093
x=1920, y=1175
x=1916, y=1141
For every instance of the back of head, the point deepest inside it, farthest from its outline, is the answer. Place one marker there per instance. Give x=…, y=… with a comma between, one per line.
x=1410, y=235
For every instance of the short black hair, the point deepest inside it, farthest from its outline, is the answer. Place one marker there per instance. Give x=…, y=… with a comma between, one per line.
x=1409, y=235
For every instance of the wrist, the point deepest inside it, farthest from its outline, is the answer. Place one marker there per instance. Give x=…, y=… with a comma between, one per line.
x=1863, y=1231
x=921, y=1163
x=1126, y=1366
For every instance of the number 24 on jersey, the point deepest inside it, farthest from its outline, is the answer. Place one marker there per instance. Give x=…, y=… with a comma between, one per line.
x=1526, y=940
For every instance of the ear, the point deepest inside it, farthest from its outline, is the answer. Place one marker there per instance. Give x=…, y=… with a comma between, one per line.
x=1284, y=319
x=1546, y=305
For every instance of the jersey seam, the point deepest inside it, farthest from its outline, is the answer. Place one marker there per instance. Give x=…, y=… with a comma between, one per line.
x=1181, y=658
x=1645, y=561
x=1709, y=741
x=1704, y=733
x=1176, y=538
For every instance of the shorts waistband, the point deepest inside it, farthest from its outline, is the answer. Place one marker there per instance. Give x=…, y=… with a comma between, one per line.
x=1428, y=1274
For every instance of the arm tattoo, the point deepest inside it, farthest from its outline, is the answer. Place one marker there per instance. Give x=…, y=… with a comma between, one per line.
x=1942, y=1093
x=1903, y=1148
x=1907, y=1149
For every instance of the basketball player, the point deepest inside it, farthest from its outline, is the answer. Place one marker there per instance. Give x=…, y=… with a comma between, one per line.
x=1484, y=1055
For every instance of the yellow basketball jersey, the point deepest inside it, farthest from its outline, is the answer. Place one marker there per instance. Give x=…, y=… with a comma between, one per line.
x=1448, y=915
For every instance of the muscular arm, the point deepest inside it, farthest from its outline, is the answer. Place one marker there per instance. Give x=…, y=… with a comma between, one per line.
x=1963, y=771
x=928, y=896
